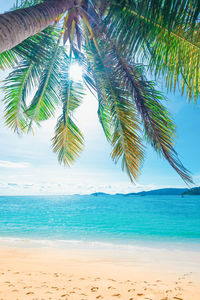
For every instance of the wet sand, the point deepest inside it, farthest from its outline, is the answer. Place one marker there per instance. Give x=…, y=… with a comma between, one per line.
x=43, y=273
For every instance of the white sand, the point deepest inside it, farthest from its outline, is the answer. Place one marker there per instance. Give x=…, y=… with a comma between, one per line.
x=47, y=273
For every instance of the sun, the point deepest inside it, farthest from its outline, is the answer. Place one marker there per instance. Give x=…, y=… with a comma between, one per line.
x=75, y=72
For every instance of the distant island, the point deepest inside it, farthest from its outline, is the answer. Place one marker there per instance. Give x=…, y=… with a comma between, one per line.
x=166, y=191
x=193, y=191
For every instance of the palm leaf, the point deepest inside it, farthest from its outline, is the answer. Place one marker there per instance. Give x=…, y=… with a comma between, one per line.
x=122, y=128
x=68, y=140
x=167, y=13
x=126, y=141
x=105, y=120
x=47, y=96
x=177, y=59
x=158, y=125
x=8, y=60
x=25, y=3
x=17, y=86
x=24, y=79
x=171, y=48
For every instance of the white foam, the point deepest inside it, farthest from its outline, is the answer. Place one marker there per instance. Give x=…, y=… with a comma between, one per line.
x=100, y=245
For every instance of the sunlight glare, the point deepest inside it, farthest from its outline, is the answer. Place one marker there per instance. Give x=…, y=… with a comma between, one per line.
x=75, y=72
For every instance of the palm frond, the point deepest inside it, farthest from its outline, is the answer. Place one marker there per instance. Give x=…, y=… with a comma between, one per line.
x=167, y=13
x=127, y=143
x=68, y=140
x=24, y=79
x=176, y=58
x=158, y=125
x=47, y=96
x=17, y=87
x=105, y=119
x=8, y=59
x=171, y=50
x=41, y=42
x=25, y=3
x=171, y=12
x=123, y=123
x=159, y=128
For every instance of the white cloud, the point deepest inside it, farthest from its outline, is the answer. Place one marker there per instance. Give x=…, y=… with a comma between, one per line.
x=12, y=184
x=13, y=165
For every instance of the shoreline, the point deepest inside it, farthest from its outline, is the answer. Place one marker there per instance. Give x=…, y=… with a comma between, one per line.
x=156, y=243
x=61, y=273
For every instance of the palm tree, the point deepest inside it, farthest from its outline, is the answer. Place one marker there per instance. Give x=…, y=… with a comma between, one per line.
x=116, y=42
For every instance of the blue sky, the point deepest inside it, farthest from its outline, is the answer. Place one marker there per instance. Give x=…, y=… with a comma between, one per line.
x=28, y=166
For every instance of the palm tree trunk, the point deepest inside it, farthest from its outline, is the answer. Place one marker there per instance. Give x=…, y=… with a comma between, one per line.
x=17, y=25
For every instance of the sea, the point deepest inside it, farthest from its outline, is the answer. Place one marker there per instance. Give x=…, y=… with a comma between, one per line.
x=102, y=220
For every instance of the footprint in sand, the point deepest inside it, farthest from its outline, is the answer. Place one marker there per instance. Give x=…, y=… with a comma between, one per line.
x=178, y=288
x=94, y=289
x=55, y=288
x=14, y=290
x=96, y=279
x=116, y=295
x=140, y=294
x=82, y=278
x=131, y=290
x=111, y=279
x=64, y=295
x=111, y=288
x=99, y=297
x=29, y=293
x=177, y=298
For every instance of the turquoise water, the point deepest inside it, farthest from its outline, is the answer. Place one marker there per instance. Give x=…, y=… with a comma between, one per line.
x=113, y=219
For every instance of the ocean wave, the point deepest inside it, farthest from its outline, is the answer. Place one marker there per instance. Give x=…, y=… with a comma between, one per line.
x=137, y=246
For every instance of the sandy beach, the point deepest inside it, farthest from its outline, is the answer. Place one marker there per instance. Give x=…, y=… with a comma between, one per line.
x=47, y=273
